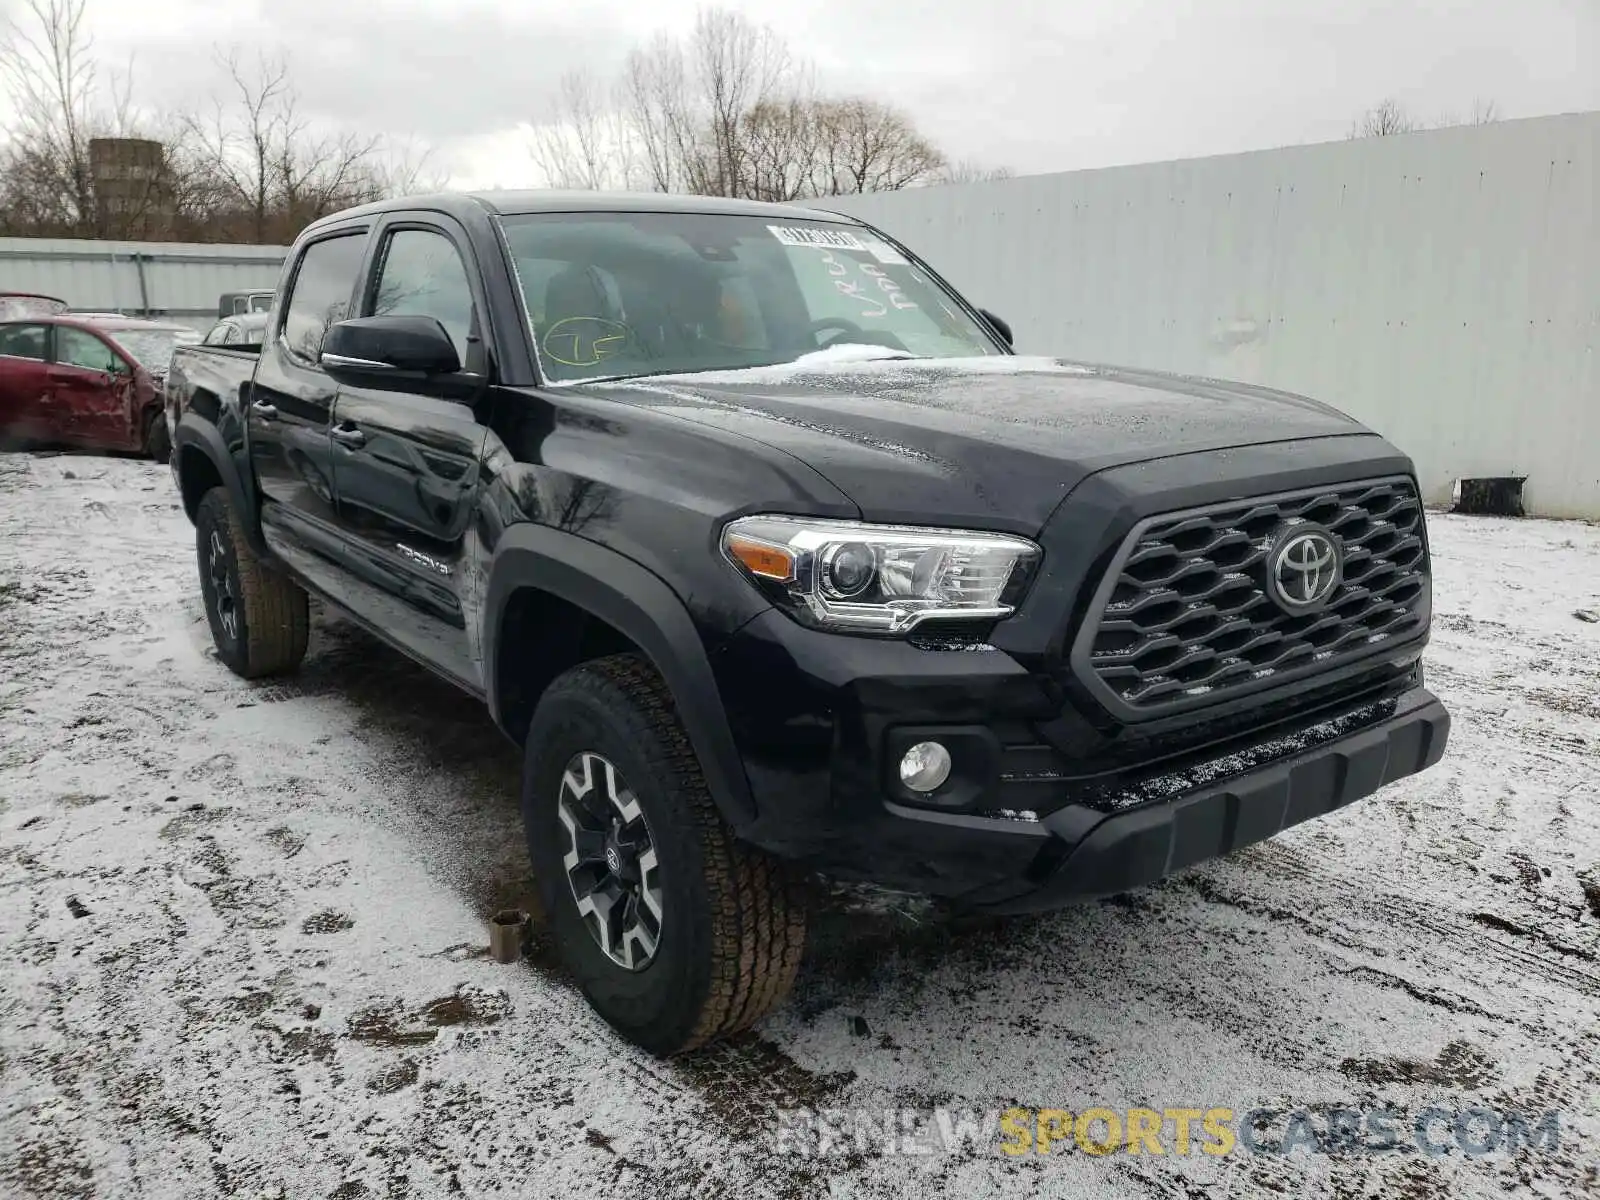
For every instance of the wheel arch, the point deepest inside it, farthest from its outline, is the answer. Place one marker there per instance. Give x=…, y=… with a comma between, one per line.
x=555, y=600
x=203, y=462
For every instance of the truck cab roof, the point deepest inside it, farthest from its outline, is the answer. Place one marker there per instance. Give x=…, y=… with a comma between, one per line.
x=555, y=200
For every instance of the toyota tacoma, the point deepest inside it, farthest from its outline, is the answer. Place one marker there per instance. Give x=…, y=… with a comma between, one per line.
x=775, y=559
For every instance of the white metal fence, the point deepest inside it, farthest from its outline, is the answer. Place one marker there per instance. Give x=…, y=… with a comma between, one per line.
x=167, y=279
x=1443, y=287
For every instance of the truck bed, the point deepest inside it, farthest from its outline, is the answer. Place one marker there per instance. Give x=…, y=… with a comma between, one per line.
x=204, y=375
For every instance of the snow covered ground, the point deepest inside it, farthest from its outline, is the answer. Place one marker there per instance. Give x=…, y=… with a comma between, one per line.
x=242, y=948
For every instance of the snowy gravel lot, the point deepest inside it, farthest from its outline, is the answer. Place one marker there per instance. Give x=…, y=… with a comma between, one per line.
x=242, y=948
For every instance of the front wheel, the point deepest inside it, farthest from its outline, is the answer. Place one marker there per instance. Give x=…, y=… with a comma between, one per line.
x=677, y=934
x=260, y=619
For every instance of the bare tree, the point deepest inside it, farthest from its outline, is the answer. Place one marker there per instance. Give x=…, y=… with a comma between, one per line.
x=253, y=168
x=1388, y=118
x=781, y=150
x=968, y=171
x=687, y=102
x=47, y=167
x=655, y=90
x=586, y=142
x=1484, y=112
x=57, y=174
x=406, y=167
x=48, y=72
x=737, y=67
x=234, y=147
x=264, y=161
x=726, y=111
x=868, y=146
x=1383, y=120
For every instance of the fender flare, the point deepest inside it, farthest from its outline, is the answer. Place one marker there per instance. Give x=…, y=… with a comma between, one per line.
x=203, y=436
x=638, y=604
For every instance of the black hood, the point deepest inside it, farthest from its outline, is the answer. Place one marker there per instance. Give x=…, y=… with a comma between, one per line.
x=991, y=442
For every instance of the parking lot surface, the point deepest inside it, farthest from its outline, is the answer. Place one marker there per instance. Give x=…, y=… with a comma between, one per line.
x=243, y=953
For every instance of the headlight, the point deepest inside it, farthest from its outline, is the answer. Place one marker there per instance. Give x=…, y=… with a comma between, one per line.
x=855, y=577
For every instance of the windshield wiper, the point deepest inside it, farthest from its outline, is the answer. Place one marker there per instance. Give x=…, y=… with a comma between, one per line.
x=890, y=354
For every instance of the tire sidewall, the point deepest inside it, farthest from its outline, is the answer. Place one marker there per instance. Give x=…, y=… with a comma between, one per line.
x=213, y=515
x=659, y=1005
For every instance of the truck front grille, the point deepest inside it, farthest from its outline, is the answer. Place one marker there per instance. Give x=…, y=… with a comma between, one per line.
x=1185, y=615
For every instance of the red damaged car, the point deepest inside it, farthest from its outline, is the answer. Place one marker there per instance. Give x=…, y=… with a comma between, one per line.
x=93, y=383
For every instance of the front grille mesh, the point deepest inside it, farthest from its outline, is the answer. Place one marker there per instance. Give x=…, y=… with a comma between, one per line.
x=1188, y=620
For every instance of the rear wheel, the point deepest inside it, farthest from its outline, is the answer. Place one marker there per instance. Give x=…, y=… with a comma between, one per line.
x=260, y=619
x=157, y=444
x=677, y=934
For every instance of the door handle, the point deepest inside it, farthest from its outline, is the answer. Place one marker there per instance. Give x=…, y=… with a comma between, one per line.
x=350, y=436
x=267, y=412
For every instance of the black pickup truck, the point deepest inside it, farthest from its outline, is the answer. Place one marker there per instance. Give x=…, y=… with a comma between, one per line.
x=775, y=559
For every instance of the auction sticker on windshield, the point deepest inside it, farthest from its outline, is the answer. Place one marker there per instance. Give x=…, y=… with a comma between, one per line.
x=885, y=253
x=836, y=239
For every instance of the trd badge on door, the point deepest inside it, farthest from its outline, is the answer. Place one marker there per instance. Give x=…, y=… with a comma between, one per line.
x=421, y=559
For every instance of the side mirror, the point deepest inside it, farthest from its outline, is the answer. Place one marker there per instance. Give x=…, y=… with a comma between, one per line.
x=1000, y=326
x=415, y=344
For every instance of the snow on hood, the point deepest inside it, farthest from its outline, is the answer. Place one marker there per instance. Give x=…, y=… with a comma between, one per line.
x=862, y=359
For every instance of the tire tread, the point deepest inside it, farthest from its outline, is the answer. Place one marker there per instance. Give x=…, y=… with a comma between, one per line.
x=277, y=612
x=155, y=441
x=758, y=903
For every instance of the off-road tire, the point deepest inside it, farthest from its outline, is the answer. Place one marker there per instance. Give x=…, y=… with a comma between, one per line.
x=273, y=613
x=157, y=444
x=734, y=919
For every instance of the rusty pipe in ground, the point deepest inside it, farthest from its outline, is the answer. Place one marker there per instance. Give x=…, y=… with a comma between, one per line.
x=506, y=929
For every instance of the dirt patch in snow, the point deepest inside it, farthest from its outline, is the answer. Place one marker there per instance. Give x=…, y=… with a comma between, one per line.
x=391, y=1025
x=1460, y=1065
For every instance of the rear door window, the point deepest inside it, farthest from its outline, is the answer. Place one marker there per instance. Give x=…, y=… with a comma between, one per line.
x=320, y=294
x=22, y=341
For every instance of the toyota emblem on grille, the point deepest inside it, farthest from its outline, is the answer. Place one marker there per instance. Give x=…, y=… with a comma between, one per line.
x=1304, y=567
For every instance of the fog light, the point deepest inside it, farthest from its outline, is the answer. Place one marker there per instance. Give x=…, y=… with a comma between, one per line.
x=925, y=767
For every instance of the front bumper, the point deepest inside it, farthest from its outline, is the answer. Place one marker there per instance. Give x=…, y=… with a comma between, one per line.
x=1147, y=843
x=820, y=721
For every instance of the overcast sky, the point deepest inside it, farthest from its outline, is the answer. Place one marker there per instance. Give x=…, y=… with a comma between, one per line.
x=1036, y=85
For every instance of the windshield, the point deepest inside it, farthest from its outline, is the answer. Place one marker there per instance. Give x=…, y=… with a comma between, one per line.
x=621, y=294
x=152, y=348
